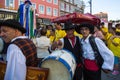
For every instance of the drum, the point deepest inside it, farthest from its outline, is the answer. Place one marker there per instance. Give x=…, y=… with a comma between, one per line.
x=1, y=44
x=1, y=47
x=61, y=63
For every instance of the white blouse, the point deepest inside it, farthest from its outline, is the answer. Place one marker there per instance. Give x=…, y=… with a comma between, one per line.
x=106, y=54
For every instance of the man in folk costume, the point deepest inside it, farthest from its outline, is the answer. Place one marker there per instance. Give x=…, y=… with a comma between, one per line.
x=71, y=43
x=26, y=16
x=92, y=71
x=21, y=51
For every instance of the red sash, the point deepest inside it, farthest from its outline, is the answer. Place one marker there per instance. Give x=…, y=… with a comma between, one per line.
x=91, y=65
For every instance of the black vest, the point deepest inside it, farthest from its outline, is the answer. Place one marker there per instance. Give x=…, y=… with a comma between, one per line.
x=76, y=50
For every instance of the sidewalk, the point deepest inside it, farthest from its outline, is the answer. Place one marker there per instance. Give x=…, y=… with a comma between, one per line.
x=110, y=76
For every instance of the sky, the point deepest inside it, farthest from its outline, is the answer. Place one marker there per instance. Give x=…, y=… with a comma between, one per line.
x=111, y=7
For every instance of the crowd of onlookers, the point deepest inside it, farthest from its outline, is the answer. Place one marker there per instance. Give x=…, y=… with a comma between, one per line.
x=110, y=34
x=57, y=36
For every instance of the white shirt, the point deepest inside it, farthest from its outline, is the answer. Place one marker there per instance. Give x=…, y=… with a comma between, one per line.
x=16, y=63
x=42, y=44
x=106, y=54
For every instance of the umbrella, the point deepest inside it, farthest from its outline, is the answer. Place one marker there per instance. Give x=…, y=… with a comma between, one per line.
x=74, y=17
x=78, y=18
x=96, y=20
x=61, y=19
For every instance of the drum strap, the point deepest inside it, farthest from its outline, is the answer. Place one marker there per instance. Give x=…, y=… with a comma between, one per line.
x=79, y=65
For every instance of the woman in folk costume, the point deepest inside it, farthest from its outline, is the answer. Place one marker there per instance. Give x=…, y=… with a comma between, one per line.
x=26, y=16
x=71, y=43
x=92, y=71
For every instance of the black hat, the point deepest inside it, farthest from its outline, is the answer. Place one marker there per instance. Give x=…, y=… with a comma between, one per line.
x=1, y=21
x=13, y=24
x=102, y=23
x=88, y=25
x=118, y=24
x=28, y=2
x=68, y=25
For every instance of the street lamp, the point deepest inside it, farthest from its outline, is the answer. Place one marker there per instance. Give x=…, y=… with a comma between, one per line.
x=90, y=2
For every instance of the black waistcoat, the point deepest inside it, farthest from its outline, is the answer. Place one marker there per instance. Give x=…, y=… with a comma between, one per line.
x=76, y=50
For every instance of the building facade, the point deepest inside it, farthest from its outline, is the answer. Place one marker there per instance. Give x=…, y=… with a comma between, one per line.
x=70, y=6
x=103, y=16
x=45, y=9
x=7, y=9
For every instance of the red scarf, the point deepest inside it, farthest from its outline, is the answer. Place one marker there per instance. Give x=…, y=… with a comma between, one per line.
x=72, y=39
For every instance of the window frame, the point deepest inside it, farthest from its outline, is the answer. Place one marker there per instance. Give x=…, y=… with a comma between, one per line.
x=41, y=11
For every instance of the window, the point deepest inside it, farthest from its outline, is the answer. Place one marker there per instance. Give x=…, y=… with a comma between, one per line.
x=50, y=1
x=55, y=2
x=34, y=5
x=67, y=0
x=62, y=6
x=48, y=10
x=21, y=2
x=9, y=3
x=41, y=9
x=67, y=7
x=55, y=12
x=71, y=1
x=72, y=9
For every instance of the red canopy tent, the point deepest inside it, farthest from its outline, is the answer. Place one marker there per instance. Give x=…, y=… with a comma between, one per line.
x=96, y=20
x=61, y=19
x=76, y=18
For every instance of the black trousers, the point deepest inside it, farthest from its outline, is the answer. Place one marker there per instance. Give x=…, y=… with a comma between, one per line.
x=91, y=75
x=78, y=73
